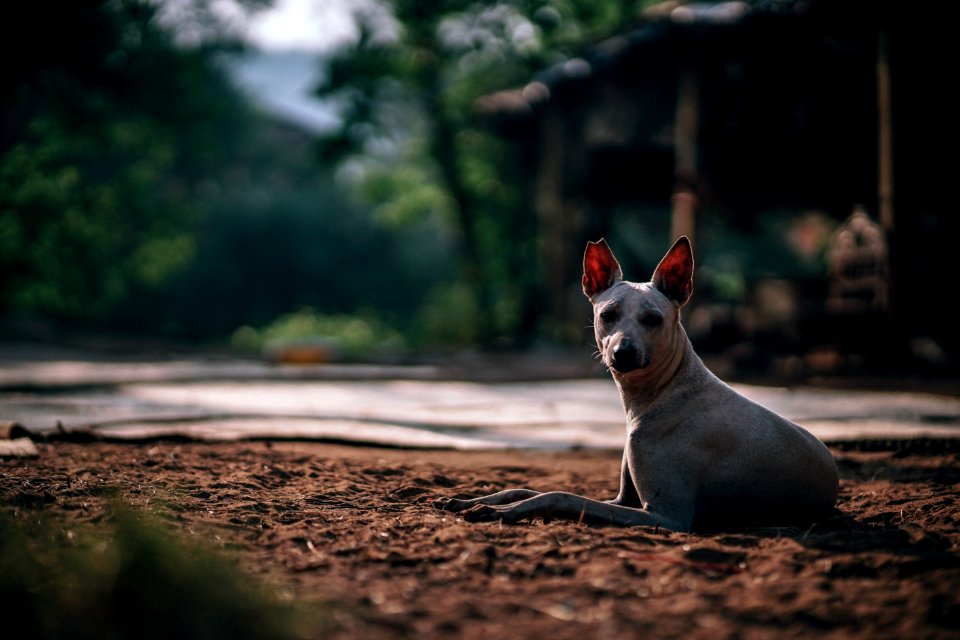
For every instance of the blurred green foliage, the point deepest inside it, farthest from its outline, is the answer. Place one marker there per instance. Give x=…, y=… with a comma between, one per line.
x=108, y=129
x=130, y=578
x=280, y=237
x=139, y=191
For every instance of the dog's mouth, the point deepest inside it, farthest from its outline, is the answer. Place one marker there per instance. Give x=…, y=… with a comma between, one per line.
x=626, y=358
x=625, y=369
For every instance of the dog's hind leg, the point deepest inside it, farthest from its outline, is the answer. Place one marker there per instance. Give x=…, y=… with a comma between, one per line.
x=501, y=497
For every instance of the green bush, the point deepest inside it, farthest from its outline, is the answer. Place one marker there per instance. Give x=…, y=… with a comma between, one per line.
x=346, y=336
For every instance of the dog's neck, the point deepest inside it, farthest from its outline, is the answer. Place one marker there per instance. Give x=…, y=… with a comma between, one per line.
x=641, y=390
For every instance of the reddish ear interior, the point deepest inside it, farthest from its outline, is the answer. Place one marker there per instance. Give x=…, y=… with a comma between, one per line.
x=674, y=275
x=600, y=268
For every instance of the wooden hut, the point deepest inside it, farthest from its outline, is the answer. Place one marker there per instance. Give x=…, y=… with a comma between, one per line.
x=735, y=108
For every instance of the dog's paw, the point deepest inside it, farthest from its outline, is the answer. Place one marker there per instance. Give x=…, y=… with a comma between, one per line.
x=450, y=504
x=489, y=513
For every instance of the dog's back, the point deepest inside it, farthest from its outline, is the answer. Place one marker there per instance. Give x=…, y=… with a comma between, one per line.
x=773, y=471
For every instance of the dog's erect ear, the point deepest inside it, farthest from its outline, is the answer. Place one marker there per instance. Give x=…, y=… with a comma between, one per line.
x=600, y=268
x=674, y=275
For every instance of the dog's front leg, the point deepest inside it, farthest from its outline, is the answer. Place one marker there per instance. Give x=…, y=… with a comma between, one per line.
x=501, y=497
x=558, y=504
x=628, y=491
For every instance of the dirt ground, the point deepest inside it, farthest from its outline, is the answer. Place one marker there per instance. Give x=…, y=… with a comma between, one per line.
x=351, y=530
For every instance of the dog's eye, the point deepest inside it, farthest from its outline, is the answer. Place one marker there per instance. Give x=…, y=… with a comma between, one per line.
x=651, y=320
x=608, y=315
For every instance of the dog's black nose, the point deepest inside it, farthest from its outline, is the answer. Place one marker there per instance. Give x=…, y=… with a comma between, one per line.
x=625, y=357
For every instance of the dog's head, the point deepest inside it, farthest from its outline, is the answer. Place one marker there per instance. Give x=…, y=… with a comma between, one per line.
x=635, y=322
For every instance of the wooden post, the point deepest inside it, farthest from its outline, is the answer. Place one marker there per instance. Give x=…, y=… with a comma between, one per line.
x=884, y=136
x=686, y=123
x=559, y=222
x=885, y=211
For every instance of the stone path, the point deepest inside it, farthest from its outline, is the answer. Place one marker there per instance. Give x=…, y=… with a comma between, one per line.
x=419, y=406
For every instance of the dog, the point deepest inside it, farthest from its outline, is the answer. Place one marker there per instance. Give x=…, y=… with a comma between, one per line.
x=698, y=454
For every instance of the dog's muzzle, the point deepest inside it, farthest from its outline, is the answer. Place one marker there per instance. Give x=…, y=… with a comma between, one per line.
x=625, y=357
